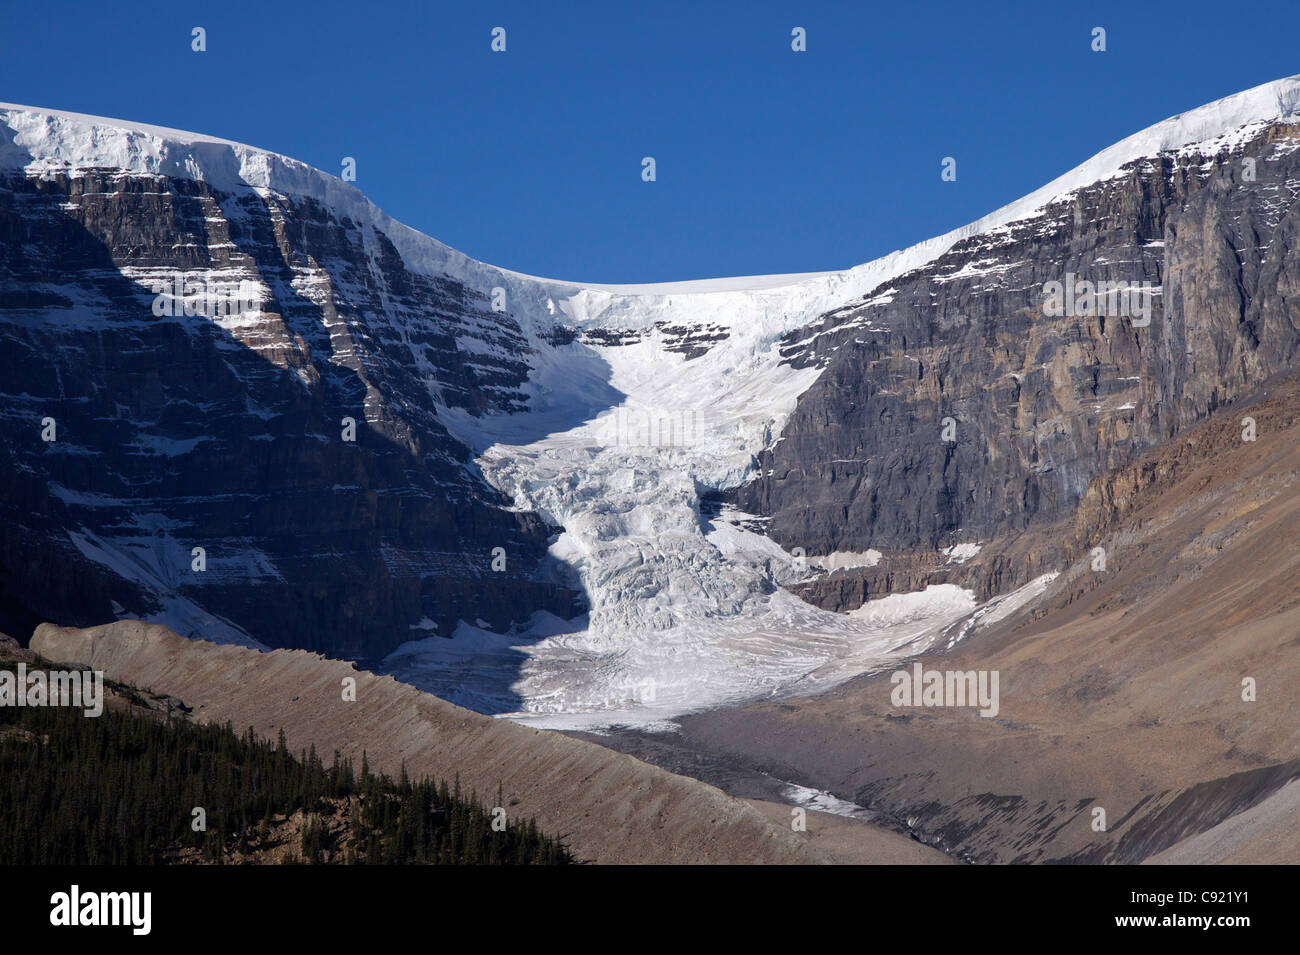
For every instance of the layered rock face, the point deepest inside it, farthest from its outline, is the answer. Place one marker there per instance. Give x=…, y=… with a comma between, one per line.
x=1122, y=689
x=944, y=395
x=1037, y=405
x=227, y=432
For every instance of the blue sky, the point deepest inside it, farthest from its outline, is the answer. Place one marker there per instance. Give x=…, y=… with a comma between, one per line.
x=767, y=160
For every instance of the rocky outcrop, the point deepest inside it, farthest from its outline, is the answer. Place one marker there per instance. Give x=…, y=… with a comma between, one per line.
x=1001, y=566
x=1124, y=689
x=178, y=431
x=946, y=403
x=1038, y=405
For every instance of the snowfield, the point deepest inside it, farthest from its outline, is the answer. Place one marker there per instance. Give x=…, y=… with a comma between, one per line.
x=624, y=437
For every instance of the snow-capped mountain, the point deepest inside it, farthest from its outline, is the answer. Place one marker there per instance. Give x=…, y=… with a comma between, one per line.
x=582, y=503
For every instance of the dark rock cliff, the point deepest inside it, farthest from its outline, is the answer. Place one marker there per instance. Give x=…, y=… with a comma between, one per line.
x=953, y=406
x=1041, y=405
x=176, y=432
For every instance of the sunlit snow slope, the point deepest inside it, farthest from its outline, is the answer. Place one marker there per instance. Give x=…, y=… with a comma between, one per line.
x=641, y=400
x=684, y=611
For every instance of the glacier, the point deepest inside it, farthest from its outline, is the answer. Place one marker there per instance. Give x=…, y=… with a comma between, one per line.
x=687, y=609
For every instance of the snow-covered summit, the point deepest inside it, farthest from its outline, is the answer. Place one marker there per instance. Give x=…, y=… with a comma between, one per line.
x=624, y=432
x=44, y=139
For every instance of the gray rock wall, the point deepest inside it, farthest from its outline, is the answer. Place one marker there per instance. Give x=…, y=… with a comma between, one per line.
x=1042, y=404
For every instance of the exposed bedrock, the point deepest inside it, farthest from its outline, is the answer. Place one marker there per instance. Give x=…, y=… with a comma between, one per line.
x=1040, y=406
x=175, y=432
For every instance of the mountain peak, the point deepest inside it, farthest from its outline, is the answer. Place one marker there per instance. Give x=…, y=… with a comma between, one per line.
x=39, y=139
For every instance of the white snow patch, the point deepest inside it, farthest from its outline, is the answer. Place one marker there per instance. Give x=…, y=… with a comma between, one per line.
x=684, y=614
x=154, y=569
x=998, y=608
x=820, y=801
x=842, y=559
x=960, y=553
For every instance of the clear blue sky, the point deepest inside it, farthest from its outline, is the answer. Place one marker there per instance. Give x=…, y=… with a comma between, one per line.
x=768, y=160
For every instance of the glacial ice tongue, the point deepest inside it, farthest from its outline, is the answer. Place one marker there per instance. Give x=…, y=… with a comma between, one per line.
x=686, y=610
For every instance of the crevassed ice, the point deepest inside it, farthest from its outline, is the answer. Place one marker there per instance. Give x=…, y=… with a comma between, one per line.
x=686, y=610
